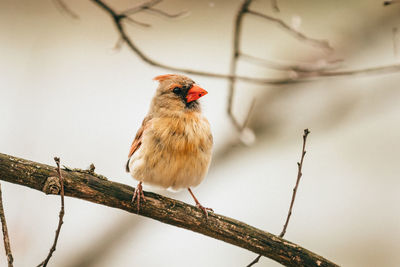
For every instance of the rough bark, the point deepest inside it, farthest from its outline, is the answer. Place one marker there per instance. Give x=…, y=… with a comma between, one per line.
x=91, y=188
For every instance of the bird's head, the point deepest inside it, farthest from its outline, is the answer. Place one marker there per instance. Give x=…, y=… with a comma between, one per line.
x=177, y=92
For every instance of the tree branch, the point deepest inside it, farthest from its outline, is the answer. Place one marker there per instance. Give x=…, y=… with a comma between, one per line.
x=234, y=61
x=119, y=17
x=91, y=188
x=300, y=36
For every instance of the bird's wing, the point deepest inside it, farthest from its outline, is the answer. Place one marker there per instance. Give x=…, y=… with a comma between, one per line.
x=138, y=139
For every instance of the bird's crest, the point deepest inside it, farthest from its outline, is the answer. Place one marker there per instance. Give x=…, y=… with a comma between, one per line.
x=164, y=77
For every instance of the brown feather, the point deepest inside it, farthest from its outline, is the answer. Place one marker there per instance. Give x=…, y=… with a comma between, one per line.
x=138, y=140
x=163, y=77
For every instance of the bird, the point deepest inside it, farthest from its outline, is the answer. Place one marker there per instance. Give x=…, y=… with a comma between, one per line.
x=172, y=148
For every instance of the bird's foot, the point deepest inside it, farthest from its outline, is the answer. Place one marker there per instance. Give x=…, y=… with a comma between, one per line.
x=204, y=209
x=138, y=195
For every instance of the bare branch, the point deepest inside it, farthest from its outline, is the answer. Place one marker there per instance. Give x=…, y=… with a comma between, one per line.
x=60, y=216
x=117, y=18
x=254, y=261
x=234, y=60
x=168, y=15
x=364, y=71
x=319, y=66
x=6, y=238
x=386, y=3
x=300, y=36
x=63, y=8
x=299, y=174
x=274, y=4
x=146, y=5
x=395, y=34
x=91, y=188
x=246, y=120
x=133, y=21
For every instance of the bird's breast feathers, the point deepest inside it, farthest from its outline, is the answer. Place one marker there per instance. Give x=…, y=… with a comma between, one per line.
x=175, y=151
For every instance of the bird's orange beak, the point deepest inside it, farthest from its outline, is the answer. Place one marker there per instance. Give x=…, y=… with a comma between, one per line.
x=195, y=93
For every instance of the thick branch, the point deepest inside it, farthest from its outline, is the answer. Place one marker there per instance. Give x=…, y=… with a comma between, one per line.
x=163, y=209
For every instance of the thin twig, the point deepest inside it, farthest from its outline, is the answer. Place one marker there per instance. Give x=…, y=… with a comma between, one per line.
x=386, y=3
x=133, y=21
x=254, y=261
x=320, y=66
x=234, y=60
x=275, y=7
x=90, y=188
x=118, y=17
x=60, y=216
x=141, y=7
x=395, y=36
x=246, y=120
x=299, y=174
x=6, y=238
x=168, y=15
x=62, y=7
x=300, y=36
x=364, y=71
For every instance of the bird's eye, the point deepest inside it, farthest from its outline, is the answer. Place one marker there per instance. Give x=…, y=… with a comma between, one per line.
x=177, y=90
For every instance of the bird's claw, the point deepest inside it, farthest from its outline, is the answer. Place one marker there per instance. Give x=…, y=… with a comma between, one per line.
x=204, y=209
x=138, y=194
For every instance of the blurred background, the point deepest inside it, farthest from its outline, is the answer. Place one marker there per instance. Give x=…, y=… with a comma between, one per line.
x=65, y=91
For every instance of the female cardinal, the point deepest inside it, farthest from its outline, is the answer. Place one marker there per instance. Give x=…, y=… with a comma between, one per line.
x=172, y=148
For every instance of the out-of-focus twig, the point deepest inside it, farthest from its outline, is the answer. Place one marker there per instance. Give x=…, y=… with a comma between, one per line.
x=363, y=71
x=60, y=216
x=6, y=237
x=168, y=15
x=386, y=3
x=244, y=7
x=65, y=9
x=319, y=66
x=133, y=21
x=299, y=174
x=118, y=19
x=395, y=36
x=274, y=4
x=301, y=36
x=143, y=6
